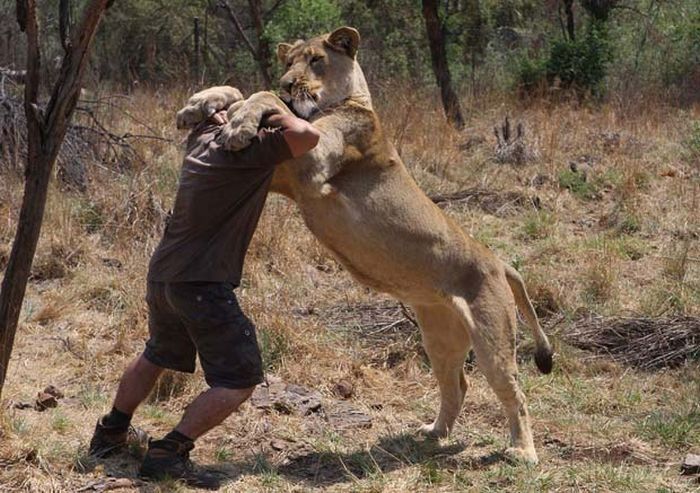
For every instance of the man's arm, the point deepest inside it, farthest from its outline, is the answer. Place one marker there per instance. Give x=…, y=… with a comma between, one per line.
x=300, y=135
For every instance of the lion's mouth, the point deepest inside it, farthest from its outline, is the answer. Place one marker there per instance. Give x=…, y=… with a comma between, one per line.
x=303, y=103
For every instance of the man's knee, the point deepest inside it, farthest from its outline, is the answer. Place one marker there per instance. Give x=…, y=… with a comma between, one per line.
x=234, y=397
x=244, y=394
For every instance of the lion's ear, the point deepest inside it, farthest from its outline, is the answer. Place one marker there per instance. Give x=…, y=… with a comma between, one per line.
x=345, y=39
x=282, y=50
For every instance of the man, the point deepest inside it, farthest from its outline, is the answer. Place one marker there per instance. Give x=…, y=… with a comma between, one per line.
x=191, y=303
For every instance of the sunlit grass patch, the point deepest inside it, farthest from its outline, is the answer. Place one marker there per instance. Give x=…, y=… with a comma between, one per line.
x=674, y=428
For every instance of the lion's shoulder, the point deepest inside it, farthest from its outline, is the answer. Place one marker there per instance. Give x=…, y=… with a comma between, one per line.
x=360, y=124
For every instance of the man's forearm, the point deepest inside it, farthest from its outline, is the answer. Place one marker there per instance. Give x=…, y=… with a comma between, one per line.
x=301, y=136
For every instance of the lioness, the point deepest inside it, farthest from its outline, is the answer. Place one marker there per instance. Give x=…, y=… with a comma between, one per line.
x=358, y=199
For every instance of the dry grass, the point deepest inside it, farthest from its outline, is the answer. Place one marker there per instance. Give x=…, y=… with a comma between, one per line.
x=623, y=242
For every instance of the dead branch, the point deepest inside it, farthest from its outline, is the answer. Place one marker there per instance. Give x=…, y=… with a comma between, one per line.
x=88, y=142
x=491, y=201
x=239, y=28
x=642, y=342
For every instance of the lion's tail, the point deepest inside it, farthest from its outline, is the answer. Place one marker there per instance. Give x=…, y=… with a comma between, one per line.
x=543, y=352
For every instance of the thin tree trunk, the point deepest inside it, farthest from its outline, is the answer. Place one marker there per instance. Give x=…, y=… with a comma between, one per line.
x=438, y=54
x=570, y=26
x=263, y=55
x=196, y=48
x=260, y=55
x=45, y=133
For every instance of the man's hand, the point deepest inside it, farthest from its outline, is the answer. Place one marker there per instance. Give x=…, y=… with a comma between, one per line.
x=219, y=118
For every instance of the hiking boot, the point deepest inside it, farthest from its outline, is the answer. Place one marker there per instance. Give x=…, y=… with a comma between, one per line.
x=170, y=459
x=108, y=441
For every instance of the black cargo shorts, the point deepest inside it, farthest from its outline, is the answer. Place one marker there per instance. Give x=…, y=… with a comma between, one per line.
x=186, y=319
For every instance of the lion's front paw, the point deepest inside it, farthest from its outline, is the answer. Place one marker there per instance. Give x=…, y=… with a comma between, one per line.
x=433, y=431
x=522, y=455
x=205, y=103
x=238, y=135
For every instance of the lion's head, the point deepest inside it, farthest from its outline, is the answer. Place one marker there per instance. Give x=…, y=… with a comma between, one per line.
x=322, y=72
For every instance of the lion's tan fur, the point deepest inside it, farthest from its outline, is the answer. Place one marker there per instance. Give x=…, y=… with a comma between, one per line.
x=358, y=199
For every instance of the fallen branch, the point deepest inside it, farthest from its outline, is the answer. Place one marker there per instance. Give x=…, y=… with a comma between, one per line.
x=645, y=343
x=490, y=201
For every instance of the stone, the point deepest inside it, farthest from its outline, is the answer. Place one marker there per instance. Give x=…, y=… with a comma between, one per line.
x=343, y=389
x=278, y=444
x=45, y=401
x=54, y=391
x=343, y=416
x=691, y=464
x=286, y=398
x=21, y=405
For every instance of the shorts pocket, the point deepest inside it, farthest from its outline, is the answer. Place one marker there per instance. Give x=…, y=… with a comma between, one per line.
x=204, y=304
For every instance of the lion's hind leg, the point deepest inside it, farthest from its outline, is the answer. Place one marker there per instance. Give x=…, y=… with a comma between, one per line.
x=492, y=331
x=447, y=344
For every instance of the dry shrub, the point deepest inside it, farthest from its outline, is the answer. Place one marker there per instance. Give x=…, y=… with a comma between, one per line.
x=54, y=307
x=600, y=278
x=545, y=294
x=57, y=262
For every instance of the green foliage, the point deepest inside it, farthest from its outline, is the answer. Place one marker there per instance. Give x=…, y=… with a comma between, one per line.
x=577, y=184
x=302, y=19
x=531, y=74
x=538, y=225
x=274, y=346
x=394, y=44
x=678, y=430
x=581, y=64
x=691, y=143
x=148, y=40
x=89, y=214
x=682, y=67
x=487, y=43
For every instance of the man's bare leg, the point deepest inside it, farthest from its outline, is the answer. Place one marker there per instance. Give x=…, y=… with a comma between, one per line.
x=209, y=409
x=112, y=432
x=138, y=380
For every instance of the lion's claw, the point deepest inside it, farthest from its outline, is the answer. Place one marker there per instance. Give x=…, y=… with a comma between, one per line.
x=204, y=104
x=236, y=137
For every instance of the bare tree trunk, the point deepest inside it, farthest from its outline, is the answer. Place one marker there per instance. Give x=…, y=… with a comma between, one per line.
x=195, y=32
x=570, y=26
x=261, y=53
x=263, y=56
x=438, y=54
x=45, y=133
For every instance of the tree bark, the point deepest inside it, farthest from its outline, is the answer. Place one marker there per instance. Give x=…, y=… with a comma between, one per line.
x=441, y=69
x=45, y=133
x=570, y=26
x=261, y=53
x=263, y=45
x=196, y=71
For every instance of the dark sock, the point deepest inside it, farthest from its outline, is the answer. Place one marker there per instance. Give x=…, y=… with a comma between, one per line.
x=117, y=419
x=178, y=437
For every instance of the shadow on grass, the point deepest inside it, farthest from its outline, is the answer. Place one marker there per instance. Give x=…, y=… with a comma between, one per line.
x=121, y=471
x=319, y=468
x=390, y=453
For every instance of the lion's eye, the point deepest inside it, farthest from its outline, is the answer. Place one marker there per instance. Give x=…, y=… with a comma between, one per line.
x=316, y=59
x=288, y=65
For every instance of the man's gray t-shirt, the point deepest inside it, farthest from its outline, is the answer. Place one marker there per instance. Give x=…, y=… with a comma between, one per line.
x=219, y=201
